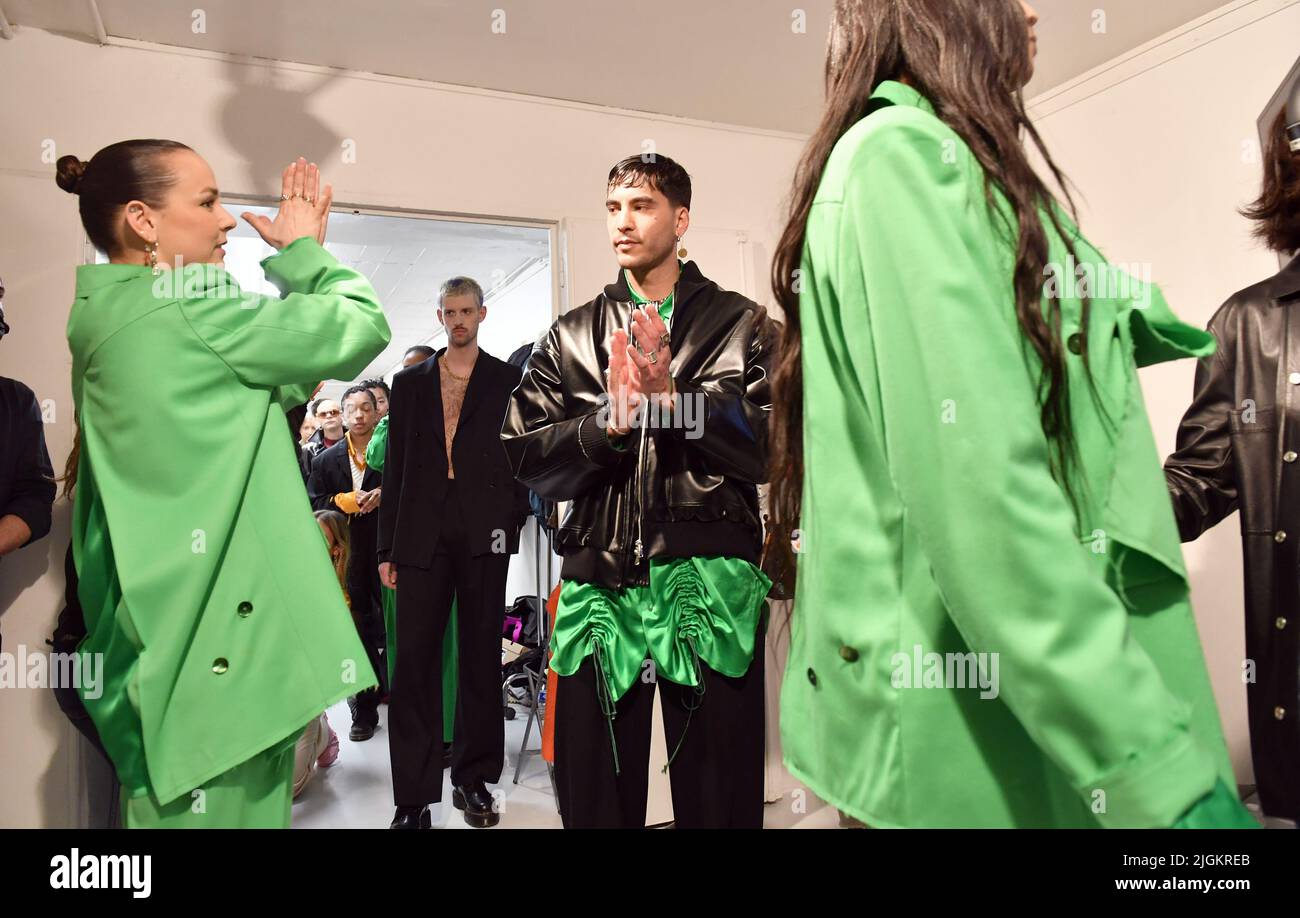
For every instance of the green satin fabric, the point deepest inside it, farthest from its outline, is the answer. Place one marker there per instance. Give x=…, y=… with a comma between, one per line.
x=1219, y=809
x=695, y=610
x=111, y=632
x=450, y=654
x=665, y=308
x=377, y=445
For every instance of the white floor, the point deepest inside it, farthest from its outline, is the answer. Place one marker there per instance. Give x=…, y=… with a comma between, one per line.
x=356, y=792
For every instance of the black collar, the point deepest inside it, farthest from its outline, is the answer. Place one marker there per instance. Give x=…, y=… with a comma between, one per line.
x=1286, y=283
x=429, y=366
x=689, y=283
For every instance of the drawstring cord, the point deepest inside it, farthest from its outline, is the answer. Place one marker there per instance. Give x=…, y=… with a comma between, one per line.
x=605, y=697
x=683, y=589
x=696, y=702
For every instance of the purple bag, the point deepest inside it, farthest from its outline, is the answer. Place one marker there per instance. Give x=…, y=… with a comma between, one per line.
x=512, y=628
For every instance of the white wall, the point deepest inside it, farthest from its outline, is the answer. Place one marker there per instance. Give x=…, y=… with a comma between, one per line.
x=417, y=146
x=1164, y=149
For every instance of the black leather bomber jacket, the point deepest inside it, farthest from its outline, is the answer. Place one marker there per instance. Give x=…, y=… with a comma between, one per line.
x=682, y=489
x=1238, y=447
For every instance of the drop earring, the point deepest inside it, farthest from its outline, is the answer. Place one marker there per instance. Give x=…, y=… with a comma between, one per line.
x=681, y=249
x=152, y=249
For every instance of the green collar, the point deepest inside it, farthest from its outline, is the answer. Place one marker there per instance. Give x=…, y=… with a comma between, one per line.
x=665, y=308
x=94, y=277
x=902, y=94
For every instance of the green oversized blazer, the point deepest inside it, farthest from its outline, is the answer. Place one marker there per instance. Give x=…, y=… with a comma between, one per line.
x=964, y=650
x=203, y=574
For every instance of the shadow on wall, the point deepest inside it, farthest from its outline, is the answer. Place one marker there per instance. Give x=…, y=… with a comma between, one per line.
x=270, y=125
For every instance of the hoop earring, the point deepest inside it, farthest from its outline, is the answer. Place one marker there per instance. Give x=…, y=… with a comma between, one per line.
x=152, y=249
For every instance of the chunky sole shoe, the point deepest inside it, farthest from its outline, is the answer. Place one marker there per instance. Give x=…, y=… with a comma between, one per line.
x=409, y=822
x=475, y=820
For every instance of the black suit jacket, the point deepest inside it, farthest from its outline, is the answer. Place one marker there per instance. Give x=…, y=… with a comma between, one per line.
x=331, y=474
x=415, y=467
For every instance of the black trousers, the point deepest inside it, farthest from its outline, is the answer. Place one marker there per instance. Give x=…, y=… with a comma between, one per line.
x=424, y=599
x=717, y=775
x=367, y=614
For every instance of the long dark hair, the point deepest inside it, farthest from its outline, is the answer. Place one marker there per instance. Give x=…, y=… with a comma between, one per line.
x=970, y=58
x=1276, y=211
x=130, y=170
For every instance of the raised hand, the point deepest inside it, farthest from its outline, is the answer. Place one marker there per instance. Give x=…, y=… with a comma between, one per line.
x=649, y=360
x=304, y=208
x=620, y=386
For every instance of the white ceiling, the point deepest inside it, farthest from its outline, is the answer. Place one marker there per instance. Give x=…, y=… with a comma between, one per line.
x=732, y=61
x=406, y=259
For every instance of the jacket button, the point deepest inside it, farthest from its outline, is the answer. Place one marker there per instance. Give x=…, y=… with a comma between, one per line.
x=245, y=609
x=1279, y=536
x=1279, y=713
x=1294, y=379
x=849, y=654
x=812, y=676
x=1280, y=623
x=1074, y=343
x=220, y=665
x=1290, y=456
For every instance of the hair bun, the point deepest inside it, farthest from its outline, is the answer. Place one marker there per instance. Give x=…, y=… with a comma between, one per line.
x=70, y=173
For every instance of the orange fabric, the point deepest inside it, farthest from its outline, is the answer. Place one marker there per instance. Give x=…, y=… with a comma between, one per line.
x=347, y=502
x=552, y=680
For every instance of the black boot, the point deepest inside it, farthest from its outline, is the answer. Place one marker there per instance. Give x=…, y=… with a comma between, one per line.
x=412, y=817
x=365, y=715
x=474, y=799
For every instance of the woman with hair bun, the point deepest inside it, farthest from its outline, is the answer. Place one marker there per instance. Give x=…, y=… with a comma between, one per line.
x=211, y=599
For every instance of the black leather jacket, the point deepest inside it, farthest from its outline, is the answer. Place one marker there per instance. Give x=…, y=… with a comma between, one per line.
x=696, y=492
x=1238, y=447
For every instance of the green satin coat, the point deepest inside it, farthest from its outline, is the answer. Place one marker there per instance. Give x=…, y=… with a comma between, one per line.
x=205, y=581
x=930, y=520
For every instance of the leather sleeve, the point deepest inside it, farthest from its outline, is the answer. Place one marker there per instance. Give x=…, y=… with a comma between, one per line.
x=554, y=454
x=1200, y=473
x=728, y=418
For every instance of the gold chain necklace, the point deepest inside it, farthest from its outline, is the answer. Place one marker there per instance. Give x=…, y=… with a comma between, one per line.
x=447, y=366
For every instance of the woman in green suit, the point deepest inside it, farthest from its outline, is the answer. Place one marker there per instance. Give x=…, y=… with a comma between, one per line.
x=991, y=624
x=205, y=584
